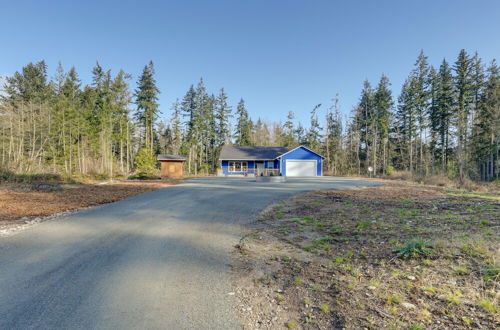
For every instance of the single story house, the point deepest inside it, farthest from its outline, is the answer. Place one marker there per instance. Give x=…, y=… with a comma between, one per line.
x=171, y=165
x=299, y=161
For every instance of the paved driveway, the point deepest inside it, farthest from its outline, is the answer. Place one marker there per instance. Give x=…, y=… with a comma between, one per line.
x=155, y=261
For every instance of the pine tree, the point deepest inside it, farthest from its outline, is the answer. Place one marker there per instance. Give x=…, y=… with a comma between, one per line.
x=383, y=106
x=146, y=99
x=314, y=133
x=421, y=100
x=244, y=125
x=333, y=138
x=463, y=87
x=487, y=127
x=406, y=119
x=444, y=111
x=288, y=137
x=222, y=117
x=366, y=119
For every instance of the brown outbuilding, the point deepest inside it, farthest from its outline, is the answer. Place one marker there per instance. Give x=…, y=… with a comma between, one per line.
x=171, y=166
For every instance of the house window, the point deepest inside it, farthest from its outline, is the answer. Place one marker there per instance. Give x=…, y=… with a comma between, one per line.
x=238, y=166
x=270, y=164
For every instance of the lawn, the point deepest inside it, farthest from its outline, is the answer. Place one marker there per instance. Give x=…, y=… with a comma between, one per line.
x=397, y=256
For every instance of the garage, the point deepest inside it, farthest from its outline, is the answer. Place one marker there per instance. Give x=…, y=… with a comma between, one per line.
x=300, y=167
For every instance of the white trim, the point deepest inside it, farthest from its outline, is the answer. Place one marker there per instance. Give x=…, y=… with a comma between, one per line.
x=303, y=160
x=298, y=148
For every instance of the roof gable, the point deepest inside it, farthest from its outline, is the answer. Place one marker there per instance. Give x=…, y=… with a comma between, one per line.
x=293, y=149
x=252, y=153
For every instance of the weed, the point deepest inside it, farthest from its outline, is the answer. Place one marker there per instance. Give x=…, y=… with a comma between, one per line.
x=472, y=251
x=416, y=327
x=490, y=272
x=484, y=222
x=316, y=287
x=462, y=270
x=291, y=324
x=454, y=297
x=374, y=283
x=348, y=204
x=467, y=320
x=363, y=225
x=488, y=306
x=393, y=299
x=319, y=224
x=325, y=308
x=394, y=242
x=406, y=201
x=414, y=213
x=424, y=314
x=307, y=218
x=336, y=230
x=349, y=254
x=413, y=248
x=286, y=259
x=339, y=260
x=307, y=302
x=430, y=289
x=279, y=297
x=298, y=280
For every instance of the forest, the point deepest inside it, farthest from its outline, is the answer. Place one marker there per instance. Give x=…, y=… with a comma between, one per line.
x=445, y=120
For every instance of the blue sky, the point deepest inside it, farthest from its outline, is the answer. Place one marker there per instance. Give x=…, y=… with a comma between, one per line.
x=279, y=55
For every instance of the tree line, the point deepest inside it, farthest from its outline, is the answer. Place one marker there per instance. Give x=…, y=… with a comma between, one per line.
x=445, y=120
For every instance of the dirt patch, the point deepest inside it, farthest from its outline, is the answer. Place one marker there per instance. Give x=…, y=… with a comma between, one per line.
x=335, y=259
x=21, y=203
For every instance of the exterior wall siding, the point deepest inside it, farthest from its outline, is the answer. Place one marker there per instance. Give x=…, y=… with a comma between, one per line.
x=297, y=154
x=303, y=154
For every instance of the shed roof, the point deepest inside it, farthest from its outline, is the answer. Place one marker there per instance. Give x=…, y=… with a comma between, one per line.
x=170, y=157
x=252, y=153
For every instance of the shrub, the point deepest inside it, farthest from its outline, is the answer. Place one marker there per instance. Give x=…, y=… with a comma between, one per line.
x=145, y=163
x=413, y=248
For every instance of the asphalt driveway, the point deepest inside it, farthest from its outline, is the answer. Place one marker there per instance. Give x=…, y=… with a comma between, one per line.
x=154, y=261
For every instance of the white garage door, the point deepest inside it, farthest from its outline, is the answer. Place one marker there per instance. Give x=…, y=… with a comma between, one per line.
x=300, y=168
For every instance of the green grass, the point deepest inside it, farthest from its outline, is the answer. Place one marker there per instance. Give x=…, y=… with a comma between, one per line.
x=413, y=248
x=363, y=224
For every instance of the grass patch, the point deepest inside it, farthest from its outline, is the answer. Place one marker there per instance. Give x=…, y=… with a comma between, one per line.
x=414, y=247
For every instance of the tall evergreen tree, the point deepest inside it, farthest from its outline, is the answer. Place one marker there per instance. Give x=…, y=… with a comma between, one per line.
x=288, y=138
x=383, y=106
x=244, y=125
x=314, y=133
x=463, y=88
x=146, y=99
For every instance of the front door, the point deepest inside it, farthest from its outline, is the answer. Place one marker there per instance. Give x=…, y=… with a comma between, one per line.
x=260, y=168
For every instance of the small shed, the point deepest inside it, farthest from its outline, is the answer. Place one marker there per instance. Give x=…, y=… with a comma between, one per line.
x=171, y=165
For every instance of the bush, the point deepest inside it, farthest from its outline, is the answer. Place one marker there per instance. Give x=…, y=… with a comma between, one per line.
x=413, y=248
x=389, y=170
x=145, y=164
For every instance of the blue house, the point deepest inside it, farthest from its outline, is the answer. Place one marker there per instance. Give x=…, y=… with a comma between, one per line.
x=243, y=161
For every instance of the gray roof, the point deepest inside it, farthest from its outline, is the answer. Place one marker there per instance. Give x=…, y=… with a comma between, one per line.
x=252, y=153
x=170, y=157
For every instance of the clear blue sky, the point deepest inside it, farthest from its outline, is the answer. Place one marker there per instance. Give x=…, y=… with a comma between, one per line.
x=279, y=55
